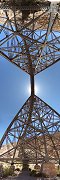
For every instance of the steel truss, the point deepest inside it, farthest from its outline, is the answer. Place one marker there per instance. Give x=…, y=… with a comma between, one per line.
x=32, y=44
x=35, y=41
x=35, y=131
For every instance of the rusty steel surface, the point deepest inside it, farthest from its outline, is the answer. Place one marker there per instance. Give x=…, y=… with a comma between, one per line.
x=32, y=44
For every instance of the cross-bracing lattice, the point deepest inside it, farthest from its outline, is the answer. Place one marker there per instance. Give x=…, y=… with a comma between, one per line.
x=33, y=44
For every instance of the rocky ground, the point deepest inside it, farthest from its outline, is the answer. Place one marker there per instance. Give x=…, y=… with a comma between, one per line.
x=25, y=176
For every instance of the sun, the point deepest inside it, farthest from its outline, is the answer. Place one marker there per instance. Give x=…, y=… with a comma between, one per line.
x=35, y=89
x=29, y=89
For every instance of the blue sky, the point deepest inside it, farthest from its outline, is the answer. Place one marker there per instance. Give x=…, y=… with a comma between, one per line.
x=13, y=95
x=49, y=86
x=14, y=85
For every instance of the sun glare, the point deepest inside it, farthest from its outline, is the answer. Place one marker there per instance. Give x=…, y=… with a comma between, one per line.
x=29, y=90
x=35, y=89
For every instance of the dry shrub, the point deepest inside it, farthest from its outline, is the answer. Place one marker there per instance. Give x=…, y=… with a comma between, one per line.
x=49, y=169
x=37, y=168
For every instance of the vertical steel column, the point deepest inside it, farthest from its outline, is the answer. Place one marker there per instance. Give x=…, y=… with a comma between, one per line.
x=32, y=84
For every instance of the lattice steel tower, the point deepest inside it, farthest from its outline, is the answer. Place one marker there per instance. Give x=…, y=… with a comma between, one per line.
x=32, y=42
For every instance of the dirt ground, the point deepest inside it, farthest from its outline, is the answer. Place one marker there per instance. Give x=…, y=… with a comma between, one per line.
x=22, y=176
x=25, y=176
